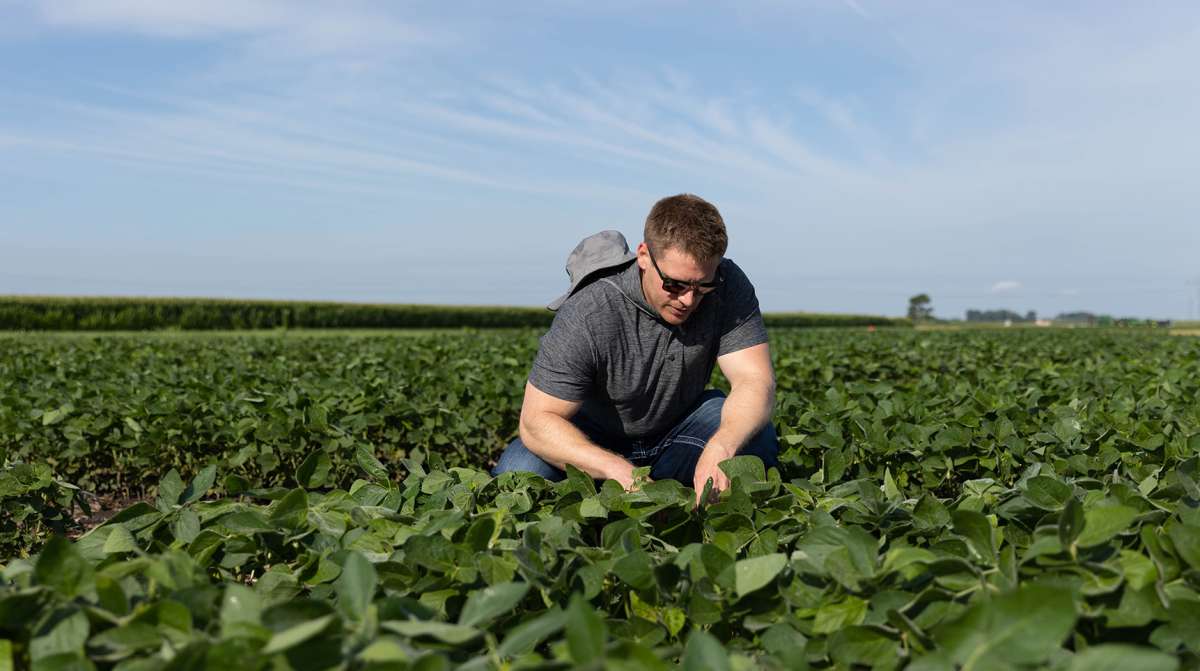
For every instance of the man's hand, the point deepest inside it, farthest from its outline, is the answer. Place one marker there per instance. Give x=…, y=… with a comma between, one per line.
x=709, y=467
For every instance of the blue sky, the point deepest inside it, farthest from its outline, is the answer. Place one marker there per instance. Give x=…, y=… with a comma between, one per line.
x=1020, y=155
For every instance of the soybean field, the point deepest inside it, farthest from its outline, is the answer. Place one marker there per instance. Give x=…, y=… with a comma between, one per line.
x=946, y=500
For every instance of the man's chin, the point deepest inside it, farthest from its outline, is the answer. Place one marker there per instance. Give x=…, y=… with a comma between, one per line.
x=671, y=316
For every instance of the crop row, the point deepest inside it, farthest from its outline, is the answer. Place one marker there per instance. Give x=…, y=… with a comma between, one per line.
x=112, y=414
x=43, y=313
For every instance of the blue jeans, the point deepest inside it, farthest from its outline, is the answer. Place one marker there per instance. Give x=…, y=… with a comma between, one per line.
x=671, y=457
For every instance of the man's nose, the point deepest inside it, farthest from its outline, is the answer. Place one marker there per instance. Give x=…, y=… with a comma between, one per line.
x=689, y=297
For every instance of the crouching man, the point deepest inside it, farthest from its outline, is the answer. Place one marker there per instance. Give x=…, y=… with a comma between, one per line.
x=619, y=379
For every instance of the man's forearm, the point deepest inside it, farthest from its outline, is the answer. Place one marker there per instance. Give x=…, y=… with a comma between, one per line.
x=746, y=411
x=559, y=442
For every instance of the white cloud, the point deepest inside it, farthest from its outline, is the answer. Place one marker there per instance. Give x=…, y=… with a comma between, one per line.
x=1005, y=286
x=295, y=25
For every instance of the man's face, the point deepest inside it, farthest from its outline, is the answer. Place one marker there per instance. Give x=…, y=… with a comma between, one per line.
x=674, y=308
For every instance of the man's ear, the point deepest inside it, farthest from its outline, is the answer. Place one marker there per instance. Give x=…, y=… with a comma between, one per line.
x=643, y=256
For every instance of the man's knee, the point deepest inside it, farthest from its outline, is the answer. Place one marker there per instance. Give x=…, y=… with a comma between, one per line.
x=706, y=418
x=517, y=457
x=712, y=399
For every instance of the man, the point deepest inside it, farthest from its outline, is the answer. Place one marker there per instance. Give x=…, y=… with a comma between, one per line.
x=619, y=379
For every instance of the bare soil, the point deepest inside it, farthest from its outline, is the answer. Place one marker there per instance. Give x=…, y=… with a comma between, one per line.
x=103, y=508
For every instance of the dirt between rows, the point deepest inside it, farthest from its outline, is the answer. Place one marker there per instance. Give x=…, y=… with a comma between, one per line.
x=103, y=508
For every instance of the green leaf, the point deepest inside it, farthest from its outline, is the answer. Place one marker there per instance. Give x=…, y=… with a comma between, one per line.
x=62, y=633
x=170, y=488
x=1139, y=569
x=454, y=634
x=1104, y=522
x=119, y=540
x=593, y=508
x=860, y=646
x=240, y=606
x=170, y=614
x=757, y=572
x=786, y=644
x=246, y=522
x=890, y=490
x=704, y=652
x=185, y=527
x=52, y=417
x=487, y=604
x=74, y=661
x=746, y=466
x=297, y=634
x=314, y=470
x=1186, y=540
x=929, y=514
x=1184, y=616
x=974, y=526
x=522, y=638
x=1020, y=627
x=134, y=425
x=236, y=484
x=831, y=617
x=1123, y=657
x=374, y=468
x=480, y=533
x=236, y=653
x=200, y=484
x=579, y=482
x=1070, y=523
x=291, y=512
x=385, y=653
x=127, y=639
x=674, y=619
x=61, y=568
x=356, y=585
x=636, y=569
x=1047, y=493
x=586, y=631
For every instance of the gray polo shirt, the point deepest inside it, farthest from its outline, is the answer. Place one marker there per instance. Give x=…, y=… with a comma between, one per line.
x=636, y=374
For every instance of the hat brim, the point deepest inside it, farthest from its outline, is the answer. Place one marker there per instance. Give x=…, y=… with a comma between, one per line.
x=557, y=302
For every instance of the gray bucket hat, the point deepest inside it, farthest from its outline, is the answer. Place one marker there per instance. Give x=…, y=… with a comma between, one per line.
x=606, y=249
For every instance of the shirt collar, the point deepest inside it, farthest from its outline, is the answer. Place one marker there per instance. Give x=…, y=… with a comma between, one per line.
x=631, y=286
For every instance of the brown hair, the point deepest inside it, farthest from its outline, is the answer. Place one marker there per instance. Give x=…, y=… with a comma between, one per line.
x=688, y=223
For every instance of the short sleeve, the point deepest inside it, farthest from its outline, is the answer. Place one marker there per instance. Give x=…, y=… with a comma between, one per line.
x=565, y=365
x=741, y=321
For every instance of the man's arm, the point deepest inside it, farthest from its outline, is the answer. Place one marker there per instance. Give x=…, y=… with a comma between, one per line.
x=547, y=431
x=746, y=411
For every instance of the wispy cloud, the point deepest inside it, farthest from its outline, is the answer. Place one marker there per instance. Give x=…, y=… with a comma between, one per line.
x=856, y=8
x=261, y=144
x=297, y=25
x=991, y=137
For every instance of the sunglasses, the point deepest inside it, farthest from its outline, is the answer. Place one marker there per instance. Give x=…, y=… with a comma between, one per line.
x=674, y=286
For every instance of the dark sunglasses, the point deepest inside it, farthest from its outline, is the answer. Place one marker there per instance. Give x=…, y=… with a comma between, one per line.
x=674, y=286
